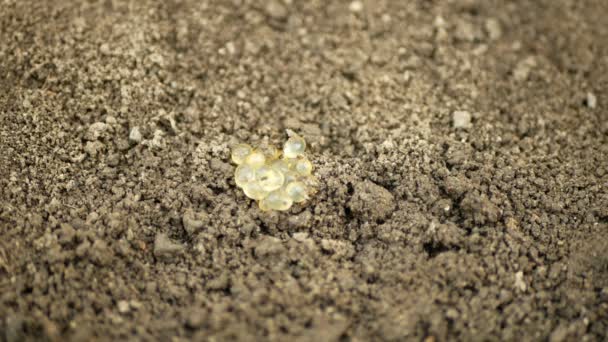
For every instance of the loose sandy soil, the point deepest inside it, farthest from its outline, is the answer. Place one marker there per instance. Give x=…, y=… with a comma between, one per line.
x=119, y=218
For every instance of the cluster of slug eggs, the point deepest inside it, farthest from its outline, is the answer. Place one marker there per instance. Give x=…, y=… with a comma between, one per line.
x=276, y=183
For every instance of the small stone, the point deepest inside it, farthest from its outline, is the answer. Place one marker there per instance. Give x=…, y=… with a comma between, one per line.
x=356, y=6
x=520, y=284
x=135, y=135
x=123, y=306
x=110, y=120
x=165, y=248
x=371, y=201
x=461, y=119
x=591, y=100
x=523, y=68
x=196, y=318
x=105, y=49
x=493, y=28
x=276, y=10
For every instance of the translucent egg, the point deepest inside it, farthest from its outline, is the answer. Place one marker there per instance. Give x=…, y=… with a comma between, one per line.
x=297, y=192
x=269, y=178
x=263, y=206
x=303, y=167
x=290, y=176
x=280, y=165
x=275, y=182
x=255, y=159
x=277, y=200
x=294, y=146
x=240, y=152
x=254, y=191
x=244, y=174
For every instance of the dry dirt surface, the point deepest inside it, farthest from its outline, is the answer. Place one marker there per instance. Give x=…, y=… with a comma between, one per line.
x=461, y=149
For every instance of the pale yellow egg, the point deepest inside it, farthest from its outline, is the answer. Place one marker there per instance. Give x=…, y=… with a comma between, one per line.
x=255, y=159
x=254, y=191
x=240, y=152
x=297, y=191
x=269, y=178
x=277, y=200
x=244, y=174
x=294, y=146
x=303, y=167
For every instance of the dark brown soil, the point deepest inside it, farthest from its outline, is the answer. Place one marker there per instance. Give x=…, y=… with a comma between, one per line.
x=119, y=218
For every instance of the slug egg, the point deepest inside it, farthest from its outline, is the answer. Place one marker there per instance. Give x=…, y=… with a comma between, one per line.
x=254, y=191
x=303, y=167
x=276, y=179
x=290, y=176
x=269, y=178
x=244, y=174
x=296, y=191
x=240, y=152
x=255, y=159
x=294, y=146
x=277, y=200
x=280, y=165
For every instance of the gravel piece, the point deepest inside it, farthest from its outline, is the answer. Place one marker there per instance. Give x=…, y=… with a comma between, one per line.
x=276, y=10
x=591, y=100
x=135, y=135
x=461, y=119
x=371, y=201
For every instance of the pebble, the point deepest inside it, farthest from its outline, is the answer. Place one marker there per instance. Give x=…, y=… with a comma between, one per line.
x=196, y=318
x=371, y=201
x=493, y=27
x=356, y=6
x=276, y=10
x=165, y=248
x=523, y=68
x=135, y=135
x=123, y=306
x=461, y=119
x=591, y=100
x=519, y=281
